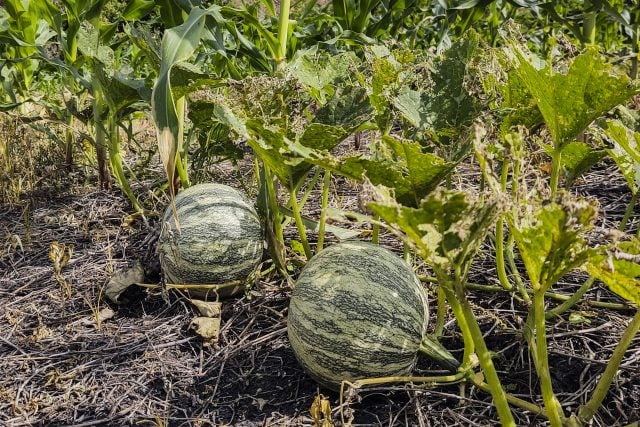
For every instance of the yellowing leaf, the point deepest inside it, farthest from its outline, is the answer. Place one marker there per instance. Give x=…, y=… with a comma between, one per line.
x=550, y=240
x=207, y=327
x=619, y=269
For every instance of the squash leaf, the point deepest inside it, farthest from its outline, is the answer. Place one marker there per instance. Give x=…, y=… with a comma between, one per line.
x=550, y=240
x=619, y=268
x=577, y=158
x=445, y=107
x=570, y=101
x=447, y=228
x=625, y=151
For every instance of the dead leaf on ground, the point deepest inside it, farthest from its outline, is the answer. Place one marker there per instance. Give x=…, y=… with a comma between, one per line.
x=207, y=308
x=122, y=279
x=207, y=327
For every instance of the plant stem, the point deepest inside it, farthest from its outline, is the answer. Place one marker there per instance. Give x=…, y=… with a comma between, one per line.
x=442, y=312
x=515, y=401
x=180, y=157
x=589, y=26
x=514, y=271
x=323, y=209
x=431, y=347
x=283, y=31
x=115, y=159
x=500, y=266
x=552, y=295
x=555, y=170
x=299, y=224
x=375, y=236
x=571, y=301
x=273, y=205
x=489, y=370
x=589, y=409
x=469, y=346
x=629, y=211
x=551, y=403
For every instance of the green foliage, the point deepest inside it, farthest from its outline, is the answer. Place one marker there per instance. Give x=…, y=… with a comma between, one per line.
x=446, y=228
x=619, y=268
x=625, y=151
x=570, y=101
x=577, y=158
x=551, y=242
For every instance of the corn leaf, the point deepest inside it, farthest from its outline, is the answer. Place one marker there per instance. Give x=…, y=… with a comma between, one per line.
x=178, y=45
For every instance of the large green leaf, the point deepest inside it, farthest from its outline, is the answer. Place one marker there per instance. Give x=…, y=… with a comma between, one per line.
x=570, y=101
x=447, y=227
x=625, y=151
x=320, y=72
x=411, y=173
x=550, y=240
x=619, y=268
x=445, y=107
x=137, y=9
x=577, y=158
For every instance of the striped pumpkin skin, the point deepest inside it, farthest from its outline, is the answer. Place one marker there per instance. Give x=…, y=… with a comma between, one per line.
x=357, y=311
x=219, y=239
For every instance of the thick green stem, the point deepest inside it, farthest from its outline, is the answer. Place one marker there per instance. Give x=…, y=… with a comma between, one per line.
x=551, y=403
x=273, y=206
x=495, y=387
x=629, y=211
x=104, y=178
x=323, y=209
x=302, y=231
x=500, y=265
x=514, y=270
x=442, y=313
x=469, y=345
x=283, y=31
x=589, y=409
x=556, y=166
x=431, y=347
x=573, y=300
x=589, y=26
x=375, y=236
x=551, y=295
x=515, y=401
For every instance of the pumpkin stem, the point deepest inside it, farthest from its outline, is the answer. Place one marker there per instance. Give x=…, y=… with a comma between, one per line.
x=436, y=351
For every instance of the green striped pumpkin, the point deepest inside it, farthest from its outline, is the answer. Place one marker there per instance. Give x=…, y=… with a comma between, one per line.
x=358, y=311
x=218, y=240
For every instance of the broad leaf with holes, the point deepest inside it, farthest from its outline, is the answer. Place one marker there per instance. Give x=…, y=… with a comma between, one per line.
x=619, y=268
x=625, y=151
x=551, y=242
x=570, y=101
x=447, y=227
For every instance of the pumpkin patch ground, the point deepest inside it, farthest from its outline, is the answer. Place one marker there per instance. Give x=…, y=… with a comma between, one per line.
x=68, y=357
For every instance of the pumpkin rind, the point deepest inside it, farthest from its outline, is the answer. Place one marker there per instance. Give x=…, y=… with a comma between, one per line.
x=219, y=238
x=357, y=311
